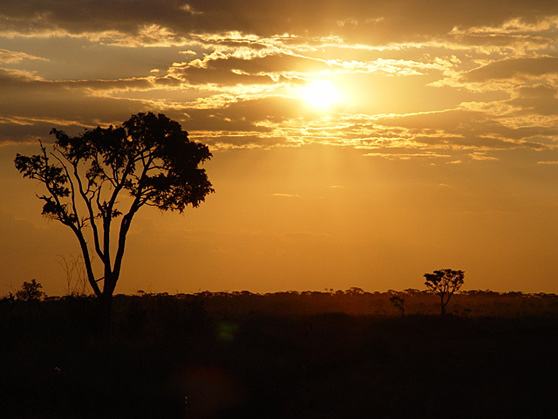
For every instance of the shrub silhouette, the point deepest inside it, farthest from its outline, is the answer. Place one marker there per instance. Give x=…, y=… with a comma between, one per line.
x=444, y=283
x=30, y=291
x=149, y=158
x=74, y=271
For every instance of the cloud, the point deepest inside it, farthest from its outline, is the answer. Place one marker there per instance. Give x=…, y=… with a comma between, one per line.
x=421, y=82
x=12, y=57
x=513, y=68
x=541, y=99
x=285, y=195
x=407, y=156
x=251, y=70
x=376, y=20
x=31, y=106
x=482, y=157
x=17, y=129
x=20, y=79
x=29, y=102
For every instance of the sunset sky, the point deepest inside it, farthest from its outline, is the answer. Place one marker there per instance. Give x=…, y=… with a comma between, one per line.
x=355, y=143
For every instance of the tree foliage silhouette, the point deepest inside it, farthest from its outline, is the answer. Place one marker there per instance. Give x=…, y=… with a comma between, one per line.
x=30, y=291
x=444, y=283
x=110, y=173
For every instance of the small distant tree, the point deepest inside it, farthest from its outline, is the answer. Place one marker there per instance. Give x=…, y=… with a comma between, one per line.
x=444, y=283
x=30, y=291
x=398, y=303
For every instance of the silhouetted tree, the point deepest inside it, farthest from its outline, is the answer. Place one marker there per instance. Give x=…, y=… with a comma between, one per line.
x=444, y=283
x=30, y=291
x=108, y=173
x=398, y=302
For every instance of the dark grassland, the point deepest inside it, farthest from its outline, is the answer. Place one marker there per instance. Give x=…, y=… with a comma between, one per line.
x=285, y=355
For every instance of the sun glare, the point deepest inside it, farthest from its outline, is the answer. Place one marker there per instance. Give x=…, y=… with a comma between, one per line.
x=320, y=94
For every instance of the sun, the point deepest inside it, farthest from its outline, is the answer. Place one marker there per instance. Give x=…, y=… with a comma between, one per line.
x=320, y=94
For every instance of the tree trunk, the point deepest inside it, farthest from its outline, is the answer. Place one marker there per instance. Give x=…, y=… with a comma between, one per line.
x=106, y=300
x=442, y=307
x=106, y=313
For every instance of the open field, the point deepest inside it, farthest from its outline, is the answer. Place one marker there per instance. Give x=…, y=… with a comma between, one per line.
x=285, y=355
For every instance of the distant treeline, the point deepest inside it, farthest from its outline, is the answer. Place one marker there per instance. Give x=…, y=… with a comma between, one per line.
x=353, y=301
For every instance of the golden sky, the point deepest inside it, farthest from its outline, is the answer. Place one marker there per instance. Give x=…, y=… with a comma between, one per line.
x=356, y=142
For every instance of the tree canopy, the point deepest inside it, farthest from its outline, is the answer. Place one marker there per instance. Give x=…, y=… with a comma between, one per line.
x=107, y=173
x=444, y=283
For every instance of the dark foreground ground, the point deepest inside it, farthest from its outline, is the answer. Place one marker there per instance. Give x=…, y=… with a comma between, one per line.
x=198, y=357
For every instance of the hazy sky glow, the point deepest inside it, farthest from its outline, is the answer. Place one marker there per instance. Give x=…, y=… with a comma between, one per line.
x=356, y=143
